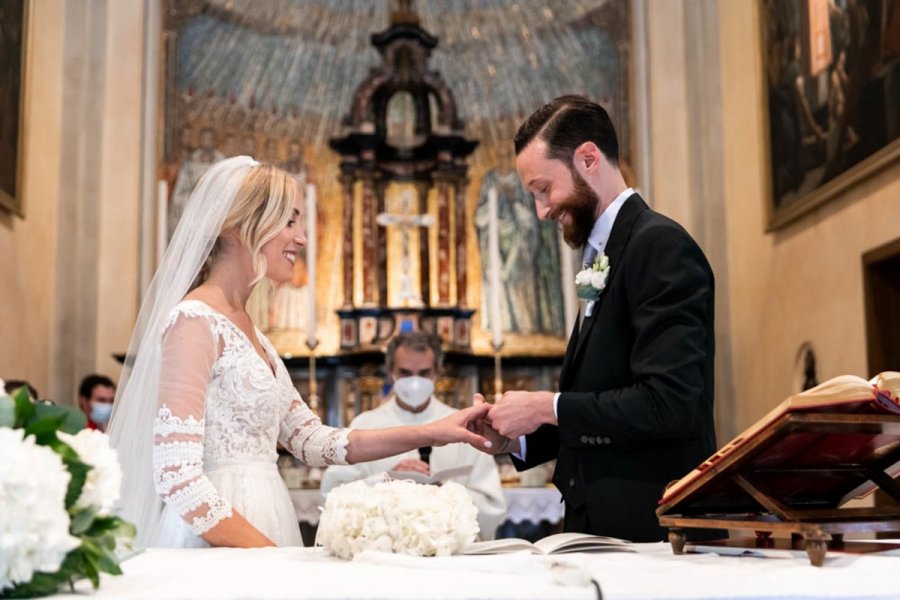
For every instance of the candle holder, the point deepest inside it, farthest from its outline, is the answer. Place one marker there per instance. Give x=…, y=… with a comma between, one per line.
x=498, y=371
x=313, y=398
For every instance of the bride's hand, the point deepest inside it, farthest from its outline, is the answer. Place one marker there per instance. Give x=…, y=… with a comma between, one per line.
x=483, y=427
x=460, y=427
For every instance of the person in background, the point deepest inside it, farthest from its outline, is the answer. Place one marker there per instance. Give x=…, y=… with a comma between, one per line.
x=11, y=385
x=95, y=399
x=413, y=362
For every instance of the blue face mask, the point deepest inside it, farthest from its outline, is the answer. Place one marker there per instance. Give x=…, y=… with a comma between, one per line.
x=100, y=412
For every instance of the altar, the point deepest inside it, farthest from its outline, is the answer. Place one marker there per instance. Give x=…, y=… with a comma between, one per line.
x=652, y=572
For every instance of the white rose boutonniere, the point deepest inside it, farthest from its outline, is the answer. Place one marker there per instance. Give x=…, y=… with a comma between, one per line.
x=590, y=282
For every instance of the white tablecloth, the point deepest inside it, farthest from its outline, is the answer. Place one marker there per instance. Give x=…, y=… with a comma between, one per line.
x=534, y=504
x=651, y=573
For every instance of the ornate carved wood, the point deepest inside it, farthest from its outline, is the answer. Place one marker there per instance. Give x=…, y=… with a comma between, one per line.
x=432, y=154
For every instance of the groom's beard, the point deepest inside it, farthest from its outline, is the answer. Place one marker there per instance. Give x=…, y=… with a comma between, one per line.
x=581, y=206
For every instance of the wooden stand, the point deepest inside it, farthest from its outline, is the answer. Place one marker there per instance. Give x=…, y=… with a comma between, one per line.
x=793, y=477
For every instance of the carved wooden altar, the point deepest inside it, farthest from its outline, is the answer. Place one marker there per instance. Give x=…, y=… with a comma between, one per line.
x=431, y=156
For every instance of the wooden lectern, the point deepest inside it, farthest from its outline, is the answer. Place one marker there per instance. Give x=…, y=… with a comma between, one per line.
x=794, y=471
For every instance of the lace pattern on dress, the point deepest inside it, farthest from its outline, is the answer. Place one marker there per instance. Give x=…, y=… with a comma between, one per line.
x=304, y=436
x=166, y=424
x=226, y=408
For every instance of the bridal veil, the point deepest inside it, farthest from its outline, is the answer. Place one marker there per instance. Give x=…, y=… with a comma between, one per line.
x=135, y=407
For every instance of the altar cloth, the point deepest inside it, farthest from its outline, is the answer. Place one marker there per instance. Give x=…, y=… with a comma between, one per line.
x=652, y=572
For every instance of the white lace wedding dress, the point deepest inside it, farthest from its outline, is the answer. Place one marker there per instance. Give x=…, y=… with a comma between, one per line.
x=222, y=408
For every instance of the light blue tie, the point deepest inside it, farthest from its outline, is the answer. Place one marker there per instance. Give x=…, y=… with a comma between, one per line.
x=587, y=258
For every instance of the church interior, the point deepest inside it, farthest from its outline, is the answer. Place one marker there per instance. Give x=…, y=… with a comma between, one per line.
x=769, y=129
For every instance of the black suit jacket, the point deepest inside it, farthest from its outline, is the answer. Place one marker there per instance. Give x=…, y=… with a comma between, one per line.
x=636, y=405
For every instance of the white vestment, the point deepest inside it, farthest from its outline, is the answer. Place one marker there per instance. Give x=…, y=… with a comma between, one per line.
x=483, y=483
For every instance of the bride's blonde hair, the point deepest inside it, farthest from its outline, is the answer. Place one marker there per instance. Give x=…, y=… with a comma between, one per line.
x=262, y=207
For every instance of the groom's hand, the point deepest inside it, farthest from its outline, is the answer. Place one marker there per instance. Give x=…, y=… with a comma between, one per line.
x=519, y=413
x=410, y=465
x=482, y=426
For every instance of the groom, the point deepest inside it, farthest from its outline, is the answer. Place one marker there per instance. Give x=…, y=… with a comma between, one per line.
x=635, y=407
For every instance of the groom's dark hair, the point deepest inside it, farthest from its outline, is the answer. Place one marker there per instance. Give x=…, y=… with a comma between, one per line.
x=565, y=124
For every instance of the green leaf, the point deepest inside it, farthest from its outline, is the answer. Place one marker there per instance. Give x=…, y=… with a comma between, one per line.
x=102, y=525
x=82, y=520
x=41, y=584
x=79, y=471
x=108, y=562
x=7, y=411
x=24, y=406
x=40, y=427
x=63, y=449
x=92, y=569
x=73, y=420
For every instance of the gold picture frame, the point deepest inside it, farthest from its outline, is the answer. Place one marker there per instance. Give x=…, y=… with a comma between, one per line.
x=831, y=98
x=14, y=21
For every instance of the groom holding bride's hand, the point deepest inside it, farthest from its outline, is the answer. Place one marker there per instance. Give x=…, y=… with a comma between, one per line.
x=635, y=410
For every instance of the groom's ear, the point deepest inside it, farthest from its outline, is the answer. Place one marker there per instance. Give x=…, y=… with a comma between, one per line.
x=587, y=158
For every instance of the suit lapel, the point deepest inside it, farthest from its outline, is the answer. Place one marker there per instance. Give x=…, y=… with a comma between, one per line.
x=615, y=248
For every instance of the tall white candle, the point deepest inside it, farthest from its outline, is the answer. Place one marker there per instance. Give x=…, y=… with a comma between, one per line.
x=162, y=222
x=570, y=303
x=494, y=257
x=311, y=222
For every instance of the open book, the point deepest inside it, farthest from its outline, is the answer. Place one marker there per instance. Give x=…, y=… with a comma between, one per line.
x=843, y=394
x=559, y=543
x=434, y=478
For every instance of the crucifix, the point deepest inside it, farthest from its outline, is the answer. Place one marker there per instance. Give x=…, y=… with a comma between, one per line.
x=406, y=220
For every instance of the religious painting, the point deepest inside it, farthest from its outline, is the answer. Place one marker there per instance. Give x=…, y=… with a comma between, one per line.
x=833, y=82
x=13, y=28
x=277, y=84
x=531, y=294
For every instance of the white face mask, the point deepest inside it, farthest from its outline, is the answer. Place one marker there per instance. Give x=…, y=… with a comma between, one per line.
x=100, y=412
x=414, y=391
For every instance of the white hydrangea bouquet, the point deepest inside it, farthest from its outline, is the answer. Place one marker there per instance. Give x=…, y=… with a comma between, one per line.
x=591, y=281
x=58, y=485
x=397, y=516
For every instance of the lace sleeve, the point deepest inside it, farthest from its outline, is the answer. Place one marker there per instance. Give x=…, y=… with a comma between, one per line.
x=304, y=435
x=189, y=351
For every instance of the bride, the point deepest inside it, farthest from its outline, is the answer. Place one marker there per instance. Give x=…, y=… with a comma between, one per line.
x=200, y=410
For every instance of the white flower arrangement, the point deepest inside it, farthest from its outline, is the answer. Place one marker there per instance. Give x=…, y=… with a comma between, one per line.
x=34, y=530
x=591, y=281
x=397, y=516
x=57, y=490
x=104, y=480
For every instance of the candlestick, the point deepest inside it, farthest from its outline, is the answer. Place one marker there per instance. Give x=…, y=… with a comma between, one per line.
x=494, y=256
x=313, y=399
x=311, y=222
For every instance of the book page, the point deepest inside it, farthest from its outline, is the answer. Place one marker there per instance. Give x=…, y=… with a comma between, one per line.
x=434, y=478
x=501, y=546
x=560, y=543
